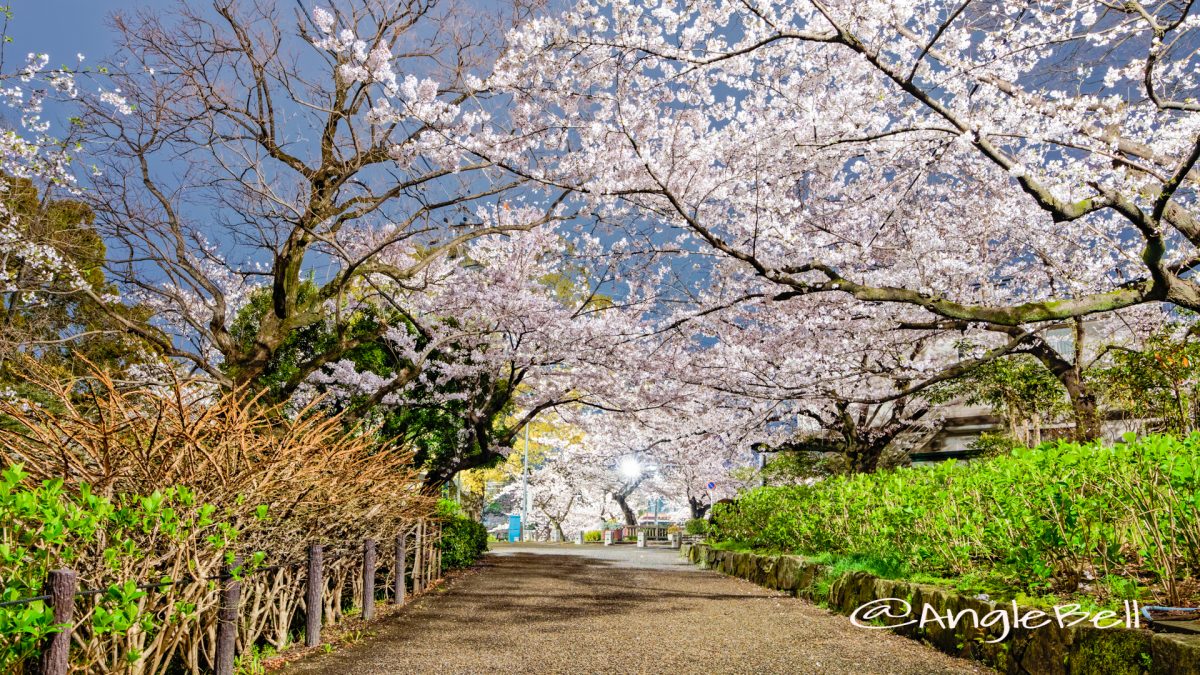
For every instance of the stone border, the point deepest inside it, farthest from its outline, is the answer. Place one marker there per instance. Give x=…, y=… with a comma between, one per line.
x=1078, y=650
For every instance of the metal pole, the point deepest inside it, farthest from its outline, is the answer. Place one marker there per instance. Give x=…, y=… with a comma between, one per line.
x=525, y=488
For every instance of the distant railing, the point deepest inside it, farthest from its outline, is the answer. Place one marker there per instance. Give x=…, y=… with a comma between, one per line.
x=653, y=532
x=62, y=587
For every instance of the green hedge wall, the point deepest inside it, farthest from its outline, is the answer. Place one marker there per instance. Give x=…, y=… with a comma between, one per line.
x=1056, y=516
x=464, y=540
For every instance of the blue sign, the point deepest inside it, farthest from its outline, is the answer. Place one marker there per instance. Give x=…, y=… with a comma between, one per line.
x=711, y=485
x=514, y=528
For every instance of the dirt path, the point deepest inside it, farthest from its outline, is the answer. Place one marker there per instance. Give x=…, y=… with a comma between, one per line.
x=565, y=609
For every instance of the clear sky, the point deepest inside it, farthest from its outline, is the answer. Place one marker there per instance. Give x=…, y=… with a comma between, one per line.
x=62, y=28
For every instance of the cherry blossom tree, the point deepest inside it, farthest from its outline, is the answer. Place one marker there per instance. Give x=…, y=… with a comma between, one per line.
x=1001, y=168
x=296, y=162
x=1000, y=164
x=567, y=492
x=816, y=375
x=502, y=331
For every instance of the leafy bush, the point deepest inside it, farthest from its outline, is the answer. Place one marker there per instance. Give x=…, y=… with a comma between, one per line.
x=593, y=535
x=464, y=540
x=45, y=527
x=993, y=444
x=1159, y=383
x=168, y=483
x=696, y=526
x=1042, y=519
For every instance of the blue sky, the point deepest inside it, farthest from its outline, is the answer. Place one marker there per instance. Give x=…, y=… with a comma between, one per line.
x=61, y=28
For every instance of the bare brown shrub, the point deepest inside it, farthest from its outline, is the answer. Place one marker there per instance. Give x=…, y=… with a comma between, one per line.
x=317, y=481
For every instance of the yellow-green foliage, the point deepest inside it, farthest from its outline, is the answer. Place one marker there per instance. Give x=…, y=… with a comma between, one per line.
x=1049, y=517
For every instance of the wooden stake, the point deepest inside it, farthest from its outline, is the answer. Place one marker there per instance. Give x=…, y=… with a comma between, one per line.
x=401, y=555
x=60, y=586
x=313, y=600
x=418, y=567
x=368, y=580
x=227, y=617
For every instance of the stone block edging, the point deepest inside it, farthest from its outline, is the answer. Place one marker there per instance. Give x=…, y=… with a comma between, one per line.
x=1049, y=650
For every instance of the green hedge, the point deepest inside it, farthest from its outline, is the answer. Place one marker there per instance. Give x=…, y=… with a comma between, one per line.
x=46, y=526
x=1055, y=517
x=464, y=540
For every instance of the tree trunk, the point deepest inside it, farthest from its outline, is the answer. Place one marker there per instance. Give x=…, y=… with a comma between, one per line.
x=630, y=516
x=698, y=507
x=863, y=456
x=861, y=460
x=1084, y=408
x=1086, y=412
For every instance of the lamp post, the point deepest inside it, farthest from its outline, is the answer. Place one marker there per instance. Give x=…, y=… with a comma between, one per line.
x=525, y=489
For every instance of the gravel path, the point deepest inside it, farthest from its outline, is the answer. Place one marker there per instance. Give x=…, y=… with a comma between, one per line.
x=619, y=609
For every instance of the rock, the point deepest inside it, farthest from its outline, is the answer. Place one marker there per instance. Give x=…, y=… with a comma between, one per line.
x=1113, y=651
x=762, y=564
x=808, y=573
x=725, y=562
x=1041, y=651
x=767, y=566
x=1175, y=654
x=787, y=570
x=1045, y=650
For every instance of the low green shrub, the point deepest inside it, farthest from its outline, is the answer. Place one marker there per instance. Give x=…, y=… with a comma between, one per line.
x=593, y=535
x=696, y=526
x=992, y=444
x=464, y=540
x=1051, y=518
x=106, y=539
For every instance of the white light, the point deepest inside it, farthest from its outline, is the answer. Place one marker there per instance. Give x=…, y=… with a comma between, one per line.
x=630, y=468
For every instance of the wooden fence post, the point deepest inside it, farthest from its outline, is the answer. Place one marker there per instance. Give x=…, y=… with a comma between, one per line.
x=227, y=617
x=437, y=568
x=368, y=580
x=432, y=554
x=60, y=586
x=433, y=551
x=313, y=600
x=428, y=553
x=401, y=555
x=418, y=568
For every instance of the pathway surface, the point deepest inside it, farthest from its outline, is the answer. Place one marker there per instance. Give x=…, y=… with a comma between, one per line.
x=619, y=609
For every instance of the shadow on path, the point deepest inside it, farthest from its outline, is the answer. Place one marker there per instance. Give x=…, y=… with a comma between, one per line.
x=592, y=611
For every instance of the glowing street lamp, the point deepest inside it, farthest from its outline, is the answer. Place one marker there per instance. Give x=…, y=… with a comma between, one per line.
x=630, y=468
